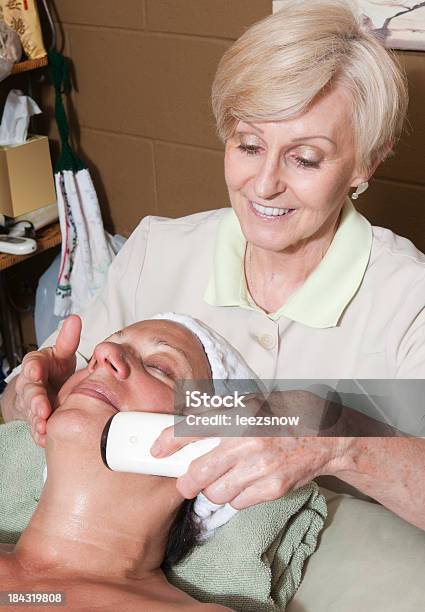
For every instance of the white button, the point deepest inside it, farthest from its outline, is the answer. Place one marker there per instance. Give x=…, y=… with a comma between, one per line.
x=133, y=439
x=267, y=341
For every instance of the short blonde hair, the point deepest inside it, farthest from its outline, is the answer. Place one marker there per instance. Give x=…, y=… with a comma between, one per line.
x=275, y=70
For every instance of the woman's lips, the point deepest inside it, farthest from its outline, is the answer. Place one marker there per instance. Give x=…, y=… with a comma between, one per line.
x=97, y=392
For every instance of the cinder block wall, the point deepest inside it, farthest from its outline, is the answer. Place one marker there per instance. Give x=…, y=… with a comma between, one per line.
x=396, y=198
x=144, y=69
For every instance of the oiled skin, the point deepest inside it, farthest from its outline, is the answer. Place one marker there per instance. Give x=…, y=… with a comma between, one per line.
x=151, y=593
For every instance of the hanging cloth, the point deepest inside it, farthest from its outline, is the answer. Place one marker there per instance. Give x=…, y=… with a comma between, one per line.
x=86, y=250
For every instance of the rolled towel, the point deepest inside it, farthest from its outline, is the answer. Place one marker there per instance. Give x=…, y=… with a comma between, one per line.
x=211, y=515
x=254, y=563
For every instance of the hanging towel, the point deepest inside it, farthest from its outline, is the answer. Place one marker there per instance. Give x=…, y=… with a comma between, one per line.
x=86, y=250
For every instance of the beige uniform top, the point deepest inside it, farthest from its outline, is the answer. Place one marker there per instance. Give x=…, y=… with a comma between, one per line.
x=359, y=315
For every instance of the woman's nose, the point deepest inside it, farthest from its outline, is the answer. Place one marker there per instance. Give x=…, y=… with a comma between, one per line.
x=269, y=181
x=110, y=357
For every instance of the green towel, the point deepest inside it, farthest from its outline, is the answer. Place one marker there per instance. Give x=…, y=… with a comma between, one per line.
x=21, y=479
x=253, y=563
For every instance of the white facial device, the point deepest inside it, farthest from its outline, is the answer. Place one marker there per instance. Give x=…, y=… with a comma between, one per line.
x=128, y=436
x=17, y=245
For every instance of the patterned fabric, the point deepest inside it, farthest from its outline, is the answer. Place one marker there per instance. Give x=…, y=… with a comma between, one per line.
x=86, y=251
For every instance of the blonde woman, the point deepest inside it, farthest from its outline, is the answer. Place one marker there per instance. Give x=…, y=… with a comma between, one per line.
x=308, y=104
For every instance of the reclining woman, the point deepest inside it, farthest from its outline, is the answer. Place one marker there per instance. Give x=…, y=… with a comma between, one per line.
x=93, y=536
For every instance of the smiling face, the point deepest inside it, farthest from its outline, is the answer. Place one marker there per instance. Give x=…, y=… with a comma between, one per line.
x=137, y=369
x=288, y=180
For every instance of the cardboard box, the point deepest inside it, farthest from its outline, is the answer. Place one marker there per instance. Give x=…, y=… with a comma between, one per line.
x=26, y=177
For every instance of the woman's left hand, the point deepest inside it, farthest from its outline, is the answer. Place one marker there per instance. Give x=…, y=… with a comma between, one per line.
x=248, y=470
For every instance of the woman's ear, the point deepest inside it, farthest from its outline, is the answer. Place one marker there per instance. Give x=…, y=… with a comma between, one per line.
x=365, y=174
x=358, y=180
x=374, y=164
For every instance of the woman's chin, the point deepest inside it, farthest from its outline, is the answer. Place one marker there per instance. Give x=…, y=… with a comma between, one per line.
x=268, y=240
x=76, y=423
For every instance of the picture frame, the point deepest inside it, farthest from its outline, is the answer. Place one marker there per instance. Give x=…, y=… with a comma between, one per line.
x=399, y=23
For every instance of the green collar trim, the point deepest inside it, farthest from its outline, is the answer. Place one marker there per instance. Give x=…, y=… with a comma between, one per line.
x=323, y=297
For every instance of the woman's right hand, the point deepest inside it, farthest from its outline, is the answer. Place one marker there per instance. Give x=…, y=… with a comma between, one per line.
x=42, y=375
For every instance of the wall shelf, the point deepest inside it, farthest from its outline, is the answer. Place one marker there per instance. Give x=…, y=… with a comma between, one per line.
x=46, y=238
x=30, y=65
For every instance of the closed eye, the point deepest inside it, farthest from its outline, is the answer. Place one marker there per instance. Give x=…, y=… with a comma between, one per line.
x=305, y=163
x=249, y=149
x=301, y=162
x=161, y=369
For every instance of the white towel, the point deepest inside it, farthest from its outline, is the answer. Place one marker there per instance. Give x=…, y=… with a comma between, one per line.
x=225, y=361
x=211, y=515
x=86, y=251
